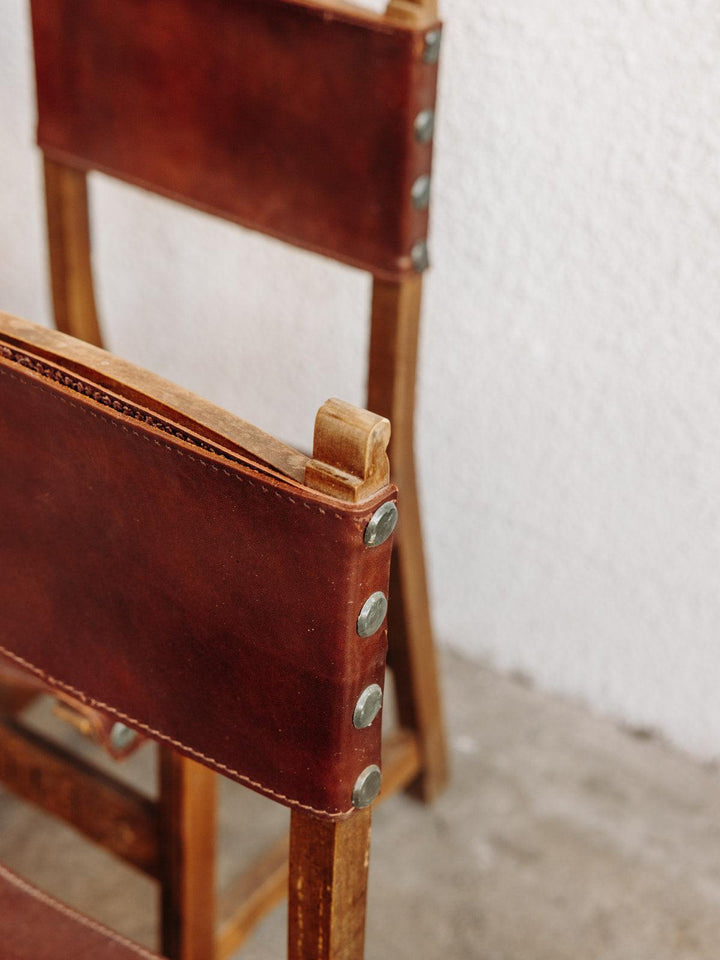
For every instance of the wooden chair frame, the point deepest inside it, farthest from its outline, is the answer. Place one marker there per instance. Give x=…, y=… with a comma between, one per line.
x=174, y=842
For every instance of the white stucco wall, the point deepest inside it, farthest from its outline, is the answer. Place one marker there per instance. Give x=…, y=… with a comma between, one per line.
x=570, y=372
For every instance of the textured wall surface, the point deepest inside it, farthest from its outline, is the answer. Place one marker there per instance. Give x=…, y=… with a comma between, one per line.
x=570, y=373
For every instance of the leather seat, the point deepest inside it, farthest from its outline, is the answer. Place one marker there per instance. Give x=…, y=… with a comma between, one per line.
x=45, y=929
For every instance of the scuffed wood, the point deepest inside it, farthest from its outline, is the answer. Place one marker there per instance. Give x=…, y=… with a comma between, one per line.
x=157, y=394
x=328, y=886
x=187, y=808
x=349, y=458
x=102, y=809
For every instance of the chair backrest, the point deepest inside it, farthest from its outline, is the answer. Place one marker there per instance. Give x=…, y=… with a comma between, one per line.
x=167, y=563
x=305, y=120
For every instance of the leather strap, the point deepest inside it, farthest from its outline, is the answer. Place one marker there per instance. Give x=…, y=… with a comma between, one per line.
x=294, y=118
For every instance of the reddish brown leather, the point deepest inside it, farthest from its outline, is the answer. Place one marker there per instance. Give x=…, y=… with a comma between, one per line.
x=201, y=601
x=282, y=116
x=19, y=685
x=34, y=926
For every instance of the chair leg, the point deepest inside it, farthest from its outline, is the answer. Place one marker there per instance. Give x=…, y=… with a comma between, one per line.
x=187, y=857
x=328, y=887
x=68, y=225
x=391, y=393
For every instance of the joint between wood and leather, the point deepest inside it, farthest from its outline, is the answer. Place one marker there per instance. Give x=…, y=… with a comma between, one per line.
x=349, y=452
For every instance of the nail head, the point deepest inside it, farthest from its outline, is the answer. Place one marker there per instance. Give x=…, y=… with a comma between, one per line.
x=367, y=707
x=381, y=524
x=372, y=614
x=419, y=256
x=121, y=736
x=420, y=192
x=367, y=787
x=424, y=126
x=431, y=52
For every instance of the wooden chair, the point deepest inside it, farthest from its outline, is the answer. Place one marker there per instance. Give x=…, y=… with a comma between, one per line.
x=209, y=587
x=211, y=103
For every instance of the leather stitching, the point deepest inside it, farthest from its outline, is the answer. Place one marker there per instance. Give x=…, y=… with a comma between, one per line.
x=181, y=453
x=61, y=907
x=156, y=734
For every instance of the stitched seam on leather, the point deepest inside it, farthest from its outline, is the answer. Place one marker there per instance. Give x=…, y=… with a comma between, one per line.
x=61, y=907
x=142, y=436
x=72, y=382
x=51, y=681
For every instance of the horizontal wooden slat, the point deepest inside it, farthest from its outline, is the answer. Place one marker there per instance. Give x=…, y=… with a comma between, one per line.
x=401, y=761
x=251, y=896
x=108, y=812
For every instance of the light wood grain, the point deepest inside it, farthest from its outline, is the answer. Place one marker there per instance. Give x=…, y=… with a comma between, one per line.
x=349, y=458
x=157, y=394
x=265, y=883
x=391, y=393
x=418, y=11
x=187, y=809
x=328, y=886
x=68, y=227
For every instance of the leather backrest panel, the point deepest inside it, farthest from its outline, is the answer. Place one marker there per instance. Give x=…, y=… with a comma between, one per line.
x=282, y=116
x=205, y=603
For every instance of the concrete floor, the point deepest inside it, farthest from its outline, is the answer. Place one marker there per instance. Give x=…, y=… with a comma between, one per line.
x=561, y=837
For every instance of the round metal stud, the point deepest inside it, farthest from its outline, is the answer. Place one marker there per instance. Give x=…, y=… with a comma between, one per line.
x=367, y=787
x=424, y=126
x=381, y=524
x=372, y=614
x=367, y=707
x=432, y=46
x=419, y=256
x=121, y=736
x=420, y=192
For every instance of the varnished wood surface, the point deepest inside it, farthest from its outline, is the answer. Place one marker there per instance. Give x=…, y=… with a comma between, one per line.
x=328, y=887
x=265, y=883
x=187, y=809
x=102, y=809
x=419, y=12
x=68, y=226
x=391, y=393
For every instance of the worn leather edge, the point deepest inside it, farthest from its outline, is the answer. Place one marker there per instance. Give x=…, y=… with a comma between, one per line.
x=360, y=512
x=161, y=396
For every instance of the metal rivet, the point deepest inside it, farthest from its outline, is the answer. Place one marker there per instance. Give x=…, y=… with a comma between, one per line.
x=424, y=126
x=381, y=524
x=121, y=736
x=419, y=256
x=372, y=614
x=367, y=786
x=367, y=707
x=420, y=192
x=432, y=46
